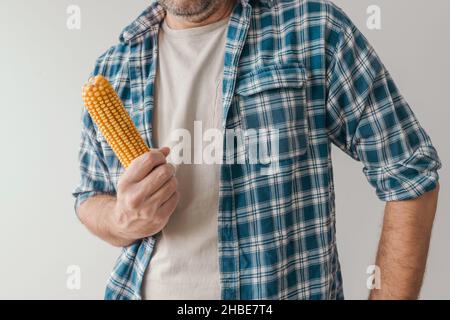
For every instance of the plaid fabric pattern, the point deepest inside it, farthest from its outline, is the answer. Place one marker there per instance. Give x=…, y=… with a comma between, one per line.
x=301, y=67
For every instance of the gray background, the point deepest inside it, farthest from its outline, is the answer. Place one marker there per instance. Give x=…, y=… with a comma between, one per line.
x=43, y=65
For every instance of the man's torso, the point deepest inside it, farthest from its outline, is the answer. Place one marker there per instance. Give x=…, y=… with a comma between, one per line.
x=188, y=95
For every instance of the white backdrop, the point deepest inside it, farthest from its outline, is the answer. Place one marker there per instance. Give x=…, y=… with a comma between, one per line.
x=43, y=65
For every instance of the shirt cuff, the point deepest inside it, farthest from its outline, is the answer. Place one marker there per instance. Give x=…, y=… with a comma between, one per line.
x=406, y=179
x=83, y=196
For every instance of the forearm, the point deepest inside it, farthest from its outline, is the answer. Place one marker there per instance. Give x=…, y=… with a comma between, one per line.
x=95, y=214
x=403, y=247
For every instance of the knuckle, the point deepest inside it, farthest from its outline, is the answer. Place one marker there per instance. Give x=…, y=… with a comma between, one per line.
x=157, y=157
x=150, y=159
x=165, y=172
x=168, y=169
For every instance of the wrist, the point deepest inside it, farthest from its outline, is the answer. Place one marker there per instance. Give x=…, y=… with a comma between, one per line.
x=117, y=238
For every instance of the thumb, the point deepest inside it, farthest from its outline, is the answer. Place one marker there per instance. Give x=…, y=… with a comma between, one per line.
x=165, y=151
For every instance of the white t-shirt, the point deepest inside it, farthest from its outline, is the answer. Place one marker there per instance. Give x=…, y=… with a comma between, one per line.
x=184, y=264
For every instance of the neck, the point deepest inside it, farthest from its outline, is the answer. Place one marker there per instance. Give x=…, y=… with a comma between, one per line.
x=221, y=11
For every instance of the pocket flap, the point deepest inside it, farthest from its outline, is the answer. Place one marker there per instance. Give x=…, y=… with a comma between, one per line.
x=292, y=75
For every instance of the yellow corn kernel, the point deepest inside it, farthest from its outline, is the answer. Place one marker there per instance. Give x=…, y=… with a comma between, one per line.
x=113, y=121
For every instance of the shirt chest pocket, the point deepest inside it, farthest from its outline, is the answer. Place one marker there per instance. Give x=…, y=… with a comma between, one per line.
x=271, y=103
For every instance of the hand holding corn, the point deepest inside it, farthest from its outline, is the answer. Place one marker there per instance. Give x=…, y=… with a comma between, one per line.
x=146, y=194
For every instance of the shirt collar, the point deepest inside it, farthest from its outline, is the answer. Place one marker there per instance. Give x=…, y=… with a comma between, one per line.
x=150, y=18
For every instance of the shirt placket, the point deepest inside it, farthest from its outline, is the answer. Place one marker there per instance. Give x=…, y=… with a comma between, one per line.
x=228, y=240
x=142, y=74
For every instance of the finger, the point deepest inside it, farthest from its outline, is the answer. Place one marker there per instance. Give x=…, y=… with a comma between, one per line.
x=142, y=166
x=165, y=192
x=165, y=151
x=169, y=206
x=155, y=180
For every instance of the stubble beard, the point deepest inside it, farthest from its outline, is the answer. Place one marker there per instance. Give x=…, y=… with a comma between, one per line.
x=192, y=10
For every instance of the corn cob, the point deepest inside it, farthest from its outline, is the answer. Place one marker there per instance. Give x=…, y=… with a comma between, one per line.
x=113, y=121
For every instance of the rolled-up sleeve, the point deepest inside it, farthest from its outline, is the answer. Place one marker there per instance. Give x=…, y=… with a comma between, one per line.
x=369, y=119
x=94, y=176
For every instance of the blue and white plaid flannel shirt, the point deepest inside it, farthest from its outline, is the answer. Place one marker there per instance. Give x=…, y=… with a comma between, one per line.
x=300, y=66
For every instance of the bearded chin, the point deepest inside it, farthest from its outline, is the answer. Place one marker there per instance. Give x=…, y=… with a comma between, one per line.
x=189, y=8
